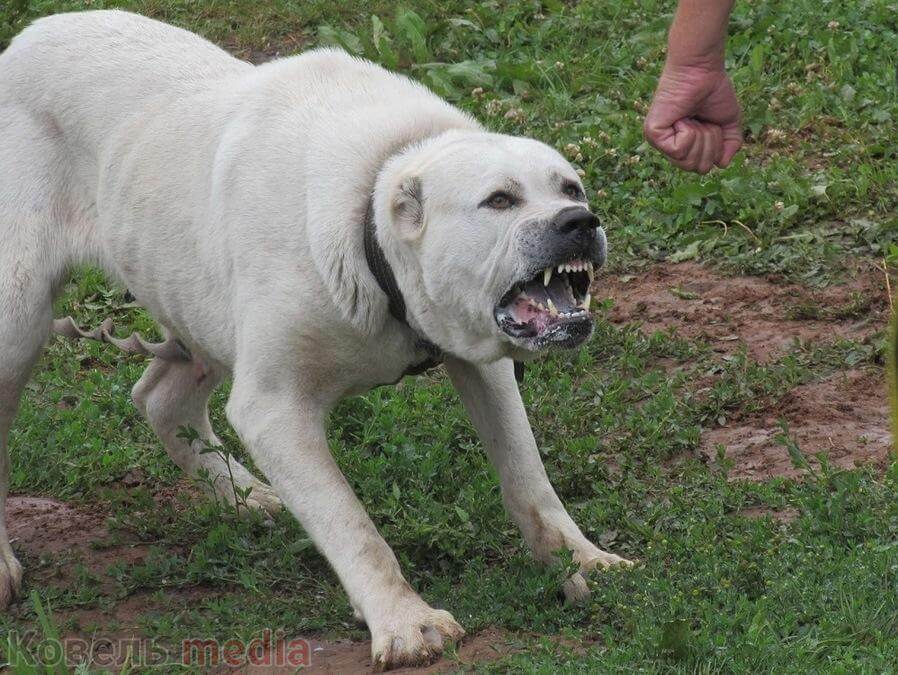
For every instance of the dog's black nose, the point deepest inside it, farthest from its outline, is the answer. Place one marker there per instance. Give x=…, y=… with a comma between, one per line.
x=576, y=222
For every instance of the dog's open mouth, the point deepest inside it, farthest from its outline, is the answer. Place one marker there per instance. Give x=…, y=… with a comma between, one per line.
x=551, y=309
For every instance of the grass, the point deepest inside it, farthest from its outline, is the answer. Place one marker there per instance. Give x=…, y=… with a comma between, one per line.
x=717, y=591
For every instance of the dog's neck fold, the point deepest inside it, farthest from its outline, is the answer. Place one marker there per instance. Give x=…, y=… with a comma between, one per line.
x=380, y=267
x=383, y=274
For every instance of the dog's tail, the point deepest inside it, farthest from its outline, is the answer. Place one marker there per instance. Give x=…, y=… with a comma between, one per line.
x=170, y=349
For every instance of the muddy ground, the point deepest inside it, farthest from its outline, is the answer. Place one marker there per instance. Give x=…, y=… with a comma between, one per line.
x=844, y=415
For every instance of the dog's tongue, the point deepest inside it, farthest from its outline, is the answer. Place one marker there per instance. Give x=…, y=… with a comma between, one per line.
x=524, y=309
x=557, y=290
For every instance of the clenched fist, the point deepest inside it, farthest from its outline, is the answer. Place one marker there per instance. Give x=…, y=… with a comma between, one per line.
x=695, y=118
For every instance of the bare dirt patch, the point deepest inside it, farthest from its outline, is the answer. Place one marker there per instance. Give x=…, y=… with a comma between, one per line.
x=42, y=525
x=763, y=314
x=59, y=543
x=845, y=417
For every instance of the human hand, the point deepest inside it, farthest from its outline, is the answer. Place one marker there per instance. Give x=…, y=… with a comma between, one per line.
x=695, y=118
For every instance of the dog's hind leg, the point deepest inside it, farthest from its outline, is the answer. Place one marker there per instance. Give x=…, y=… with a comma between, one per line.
x=172, y=396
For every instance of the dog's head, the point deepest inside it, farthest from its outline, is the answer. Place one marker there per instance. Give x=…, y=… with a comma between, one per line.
x=493, y=244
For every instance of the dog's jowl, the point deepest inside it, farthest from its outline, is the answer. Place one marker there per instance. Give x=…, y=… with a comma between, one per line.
x=233, y=201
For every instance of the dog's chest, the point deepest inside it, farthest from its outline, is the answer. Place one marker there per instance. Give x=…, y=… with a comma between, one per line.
x=387, y=363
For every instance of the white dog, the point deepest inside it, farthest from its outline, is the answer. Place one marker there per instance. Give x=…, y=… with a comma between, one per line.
x=312, y=227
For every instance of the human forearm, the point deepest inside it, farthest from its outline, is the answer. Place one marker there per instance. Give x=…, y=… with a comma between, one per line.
x=698, y=33
x=695, y=118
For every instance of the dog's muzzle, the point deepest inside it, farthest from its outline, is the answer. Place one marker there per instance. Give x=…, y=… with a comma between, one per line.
x=549, y=305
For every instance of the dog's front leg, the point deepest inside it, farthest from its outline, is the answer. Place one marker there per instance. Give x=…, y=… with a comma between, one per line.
x=285, y=434
x=491, y=396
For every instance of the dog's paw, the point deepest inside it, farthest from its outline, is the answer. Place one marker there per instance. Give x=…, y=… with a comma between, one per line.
x=603, y=560
x=10, y=581
x=417, y=637
x=263, y=498
x=575, y=587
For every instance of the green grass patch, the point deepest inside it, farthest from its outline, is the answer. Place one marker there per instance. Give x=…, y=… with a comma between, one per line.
x=716, y=591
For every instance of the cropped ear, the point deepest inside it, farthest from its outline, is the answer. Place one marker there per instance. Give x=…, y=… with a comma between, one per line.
x=407, y=207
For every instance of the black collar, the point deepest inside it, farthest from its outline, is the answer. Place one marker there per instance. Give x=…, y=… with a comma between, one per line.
x=380, y=268
x=383, y=273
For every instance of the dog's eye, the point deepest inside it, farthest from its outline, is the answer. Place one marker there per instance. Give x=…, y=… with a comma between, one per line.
x=573, y=191
x=499, y=200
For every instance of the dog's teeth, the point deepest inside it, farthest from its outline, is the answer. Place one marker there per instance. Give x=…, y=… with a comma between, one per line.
x=552, y=307
x=591, y=272
x=586, y=302
x=547, y=276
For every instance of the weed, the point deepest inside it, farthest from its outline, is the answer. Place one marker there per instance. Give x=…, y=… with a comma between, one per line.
x=715, y=591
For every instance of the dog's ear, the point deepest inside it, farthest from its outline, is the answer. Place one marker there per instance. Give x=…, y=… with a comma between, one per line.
x=408, y=207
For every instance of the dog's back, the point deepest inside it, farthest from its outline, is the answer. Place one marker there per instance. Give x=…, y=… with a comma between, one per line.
x=94, y=69
x=67, y=83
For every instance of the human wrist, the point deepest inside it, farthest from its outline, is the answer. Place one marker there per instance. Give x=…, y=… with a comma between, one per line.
x=685, y=54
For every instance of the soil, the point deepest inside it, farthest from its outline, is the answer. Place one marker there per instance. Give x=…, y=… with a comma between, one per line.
x=765, y=315
x=355, y=657
x=844, y=416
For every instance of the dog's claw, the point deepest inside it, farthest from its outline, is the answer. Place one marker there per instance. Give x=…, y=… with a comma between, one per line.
x=10, y=581
x=576, y=589
x=263, y=498
x=418, y=641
